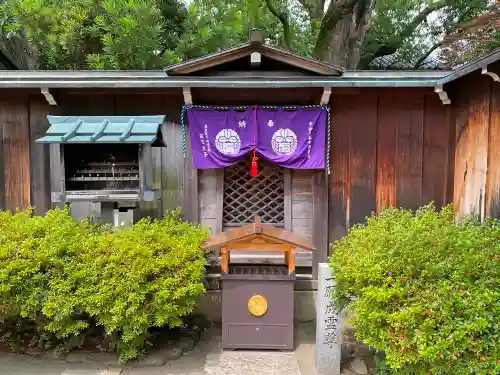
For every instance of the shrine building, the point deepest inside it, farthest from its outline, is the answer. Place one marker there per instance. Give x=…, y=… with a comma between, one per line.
x=309, y=147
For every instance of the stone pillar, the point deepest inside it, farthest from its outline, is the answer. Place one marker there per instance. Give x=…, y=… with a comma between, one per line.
x=328, y=336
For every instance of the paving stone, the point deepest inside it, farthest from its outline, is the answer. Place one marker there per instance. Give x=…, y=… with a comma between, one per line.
x=112, y=371
x=102, y=358
x=53, y=354
x=151, y=360
x=33, y=352
x=358, y=366
x=252, y=363
x=76, y=357
x=186, y=344
x=347, y=351
x=171, y=354
x=347, y=372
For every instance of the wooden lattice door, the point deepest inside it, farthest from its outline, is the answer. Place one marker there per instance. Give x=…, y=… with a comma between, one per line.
x=245, y=197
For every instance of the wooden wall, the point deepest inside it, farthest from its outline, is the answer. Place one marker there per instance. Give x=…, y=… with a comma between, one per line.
x=210, y=190
x=476, y=120
x=390, y=147
x=23, y=164
x=302, y=203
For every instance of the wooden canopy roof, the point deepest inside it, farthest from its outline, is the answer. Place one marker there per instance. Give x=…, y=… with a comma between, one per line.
x=255, y=45
x=258, y=231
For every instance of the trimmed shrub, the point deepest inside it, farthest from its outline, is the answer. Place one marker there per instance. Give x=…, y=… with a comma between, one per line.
x=424, y=289
x=67, y=277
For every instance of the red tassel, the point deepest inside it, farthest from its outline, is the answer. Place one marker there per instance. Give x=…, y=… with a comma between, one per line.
x=254, y=171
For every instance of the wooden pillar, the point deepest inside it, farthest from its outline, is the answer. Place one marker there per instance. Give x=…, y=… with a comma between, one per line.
x=224, y=264
x=190, y=206
x=2, y=171
x=320, y=220
x=57, y=177
x=291, y=260
x=39, y=158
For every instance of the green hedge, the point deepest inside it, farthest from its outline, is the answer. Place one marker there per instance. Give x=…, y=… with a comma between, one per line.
x=424, y=289
x=66, y=277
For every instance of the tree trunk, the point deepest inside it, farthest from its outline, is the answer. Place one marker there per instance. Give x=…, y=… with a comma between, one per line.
x=315, y=10
x=343, y=31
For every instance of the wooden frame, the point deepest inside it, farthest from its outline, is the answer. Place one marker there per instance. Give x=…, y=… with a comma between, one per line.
x=232, y=54
x=265, y=193
x=2, y=172
x=258, y=237
x=320, y=220
x=57, y=174
x=219, y=203
x=190, y=192
x=288, y=198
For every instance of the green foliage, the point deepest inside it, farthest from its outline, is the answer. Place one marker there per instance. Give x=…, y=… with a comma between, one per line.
x=149, y=34
x=382, y=368
x=424, y=289
x=214, y=25
x=95, y=34
x=67, y=276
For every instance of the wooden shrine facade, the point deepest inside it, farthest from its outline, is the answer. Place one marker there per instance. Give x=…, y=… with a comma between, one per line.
x=397, y=139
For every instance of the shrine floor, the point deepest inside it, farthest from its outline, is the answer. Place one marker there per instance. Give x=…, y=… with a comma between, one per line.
x=207, y=358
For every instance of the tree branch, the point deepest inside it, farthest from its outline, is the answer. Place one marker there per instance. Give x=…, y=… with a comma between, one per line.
x=421, y=17
x=427, y=54
x=314, y=8
x=282, y=16
x=377, y=49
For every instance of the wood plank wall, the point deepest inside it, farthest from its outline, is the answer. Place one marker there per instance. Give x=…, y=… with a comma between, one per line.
x=389, y=148
x=207, y=199
x=25, y=166
x=302, y=203
x=476, y=120
x=21, y=119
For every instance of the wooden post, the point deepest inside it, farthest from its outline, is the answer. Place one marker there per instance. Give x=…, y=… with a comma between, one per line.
x=224, y=264
x=2, y=184
x=320, y=220
x=39, y=158
x=291, y=261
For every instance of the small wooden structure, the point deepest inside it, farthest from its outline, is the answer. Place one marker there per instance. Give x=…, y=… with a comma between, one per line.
x=257, y=300
x=258, y=236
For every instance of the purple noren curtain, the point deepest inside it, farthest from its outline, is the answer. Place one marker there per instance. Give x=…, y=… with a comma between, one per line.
x=292, y=138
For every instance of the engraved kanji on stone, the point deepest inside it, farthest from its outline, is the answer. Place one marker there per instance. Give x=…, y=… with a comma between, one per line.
x=329, y=291
x=330, y=338
x=331, y=323
x=329, y=310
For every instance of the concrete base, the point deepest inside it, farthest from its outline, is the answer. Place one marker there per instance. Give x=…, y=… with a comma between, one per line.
x=210, y=305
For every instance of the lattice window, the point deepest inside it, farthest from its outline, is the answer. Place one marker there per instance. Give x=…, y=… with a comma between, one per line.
x=245, y=197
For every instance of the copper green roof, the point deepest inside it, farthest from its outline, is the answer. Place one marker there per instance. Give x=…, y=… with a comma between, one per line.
x=103, y=129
